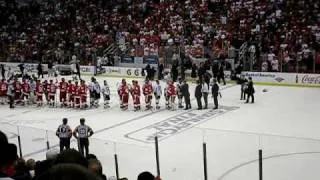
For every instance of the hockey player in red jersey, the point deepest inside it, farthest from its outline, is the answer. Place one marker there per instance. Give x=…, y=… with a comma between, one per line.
x=39, y=93
x=17, y=90
x=83, y=93
x=124, y=94
x=63, y=86
x=70, y=93
x=46, y=88
x=147, y=92
x=25, y=91
x=76, y=95
x=171, y=93
x=52, y=93
x=136, y=93
x=3, y=91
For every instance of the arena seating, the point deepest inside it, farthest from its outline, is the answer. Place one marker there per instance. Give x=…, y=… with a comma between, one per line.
x=284, y=31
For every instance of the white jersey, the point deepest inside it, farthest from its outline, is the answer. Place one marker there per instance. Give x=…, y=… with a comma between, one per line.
x=64, y=131
x=264, y=66
x=157, y=90
x=167, y=78
x=99, y=62
x=205, y=88
x=118, y=87
x=105, y=89
x=83, y=131
x=96, y=87
x=33, y=86
x=178, y=86
x=91, y=86
x=73, y=63
x=25, y=71
x=165, y=89
x=211, y=81
x=275, y=65
x=10, y=73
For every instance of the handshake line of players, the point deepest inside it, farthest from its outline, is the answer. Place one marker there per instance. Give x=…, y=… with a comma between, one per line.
x=32, y=92
x=148, y=90
x=75, y=95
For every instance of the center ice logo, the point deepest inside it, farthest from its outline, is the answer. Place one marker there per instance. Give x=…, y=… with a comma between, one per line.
x=176, y=124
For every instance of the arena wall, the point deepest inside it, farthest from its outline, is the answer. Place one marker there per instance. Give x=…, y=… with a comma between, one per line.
x=265, y=78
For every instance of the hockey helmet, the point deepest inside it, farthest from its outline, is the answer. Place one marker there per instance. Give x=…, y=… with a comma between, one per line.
x=82, y=120
x=65, y=120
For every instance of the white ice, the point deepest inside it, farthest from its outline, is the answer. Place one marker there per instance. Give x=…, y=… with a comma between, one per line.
x=283, y=122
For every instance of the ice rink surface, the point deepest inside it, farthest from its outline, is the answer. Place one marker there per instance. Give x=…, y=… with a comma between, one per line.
x=283, y=122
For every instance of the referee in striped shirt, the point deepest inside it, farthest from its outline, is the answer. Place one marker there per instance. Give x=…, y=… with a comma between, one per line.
x=64, y=133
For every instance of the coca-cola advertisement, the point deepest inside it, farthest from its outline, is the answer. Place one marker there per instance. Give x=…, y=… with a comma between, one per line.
x=310, y=79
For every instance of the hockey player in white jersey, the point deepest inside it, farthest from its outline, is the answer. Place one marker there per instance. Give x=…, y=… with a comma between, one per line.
x=118, y=85
x=91, y=91
x=179, y=93
x=96, y=91
x=157, y=93
x=73, y=64
x=166, y=94
x=10, y=73
x=99, y=66
x=167, y=77
x=105, y=89
x=33, y=86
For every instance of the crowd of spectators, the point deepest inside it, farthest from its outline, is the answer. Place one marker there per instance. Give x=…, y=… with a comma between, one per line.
x=69, y=164
x=286, y=31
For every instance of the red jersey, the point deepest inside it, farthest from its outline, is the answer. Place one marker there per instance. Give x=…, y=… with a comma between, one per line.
x=52, y=88
x=3, y=88
x=70, y=88
x=124, y=90
x=147, y=89
x=75, y=90
x=83, y=90
x=45, y=87
x=26, y=87
x=63, y=86
x=17, y=86
x=39, y=88
x=136, y=90
x=171, y=90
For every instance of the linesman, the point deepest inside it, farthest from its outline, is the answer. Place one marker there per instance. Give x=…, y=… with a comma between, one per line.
x=82, y=134
x=64, y=133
